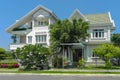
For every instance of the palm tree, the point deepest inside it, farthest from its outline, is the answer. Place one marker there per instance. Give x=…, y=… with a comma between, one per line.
x=14, y=37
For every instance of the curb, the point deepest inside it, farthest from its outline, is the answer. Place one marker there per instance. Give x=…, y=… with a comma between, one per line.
x=59, y=74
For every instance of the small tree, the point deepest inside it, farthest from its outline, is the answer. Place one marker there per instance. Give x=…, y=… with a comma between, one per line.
x=116, y=41
x=32, y=56
x=106, y=52
x=2, y=53
x=81, y=63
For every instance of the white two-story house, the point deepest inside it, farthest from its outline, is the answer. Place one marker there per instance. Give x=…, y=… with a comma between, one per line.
x=33, y=28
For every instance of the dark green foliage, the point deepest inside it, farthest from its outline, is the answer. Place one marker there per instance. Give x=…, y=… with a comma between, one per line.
x=57, y=62
x=67, y=32
x=2, y=54
x=116, y=39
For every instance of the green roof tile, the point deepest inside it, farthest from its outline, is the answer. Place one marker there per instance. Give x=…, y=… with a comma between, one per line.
x=98, y=18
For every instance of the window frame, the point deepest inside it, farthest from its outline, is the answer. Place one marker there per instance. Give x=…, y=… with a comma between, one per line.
x=41, y=38
x=98, y=33
x=29, y=39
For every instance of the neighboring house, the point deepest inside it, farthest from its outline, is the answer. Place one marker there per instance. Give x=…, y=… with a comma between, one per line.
x=33, y=28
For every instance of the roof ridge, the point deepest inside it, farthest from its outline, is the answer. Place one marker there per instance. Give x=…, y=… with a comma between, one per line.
x=97, y=13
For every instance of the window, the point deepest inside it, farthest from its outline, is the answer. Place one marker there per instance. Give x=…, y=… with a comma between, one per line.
x=40, y=38
x=29, y=39
x=31, y=24
x=94, y=55
x=41, y=23
x=98, y=33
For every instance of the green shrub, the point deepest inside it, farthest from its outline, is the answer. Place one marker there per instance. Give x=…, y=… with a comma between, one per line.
x=9, y=64
x=8, y=61
x=108, y=64
x=81, y=63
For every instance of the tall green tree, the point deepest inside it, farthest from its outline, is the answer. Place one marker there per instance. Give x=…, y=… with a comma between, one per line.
x=106, y=52
x=65, y=31
x=32, y=56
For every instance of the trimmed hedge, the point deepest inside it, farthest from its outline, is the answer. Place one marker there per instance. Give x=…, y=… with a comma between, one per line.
x=9, y=64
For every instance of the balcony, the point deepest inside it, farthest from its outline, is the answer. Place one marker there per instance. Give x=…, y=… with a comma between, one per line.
x=16, y=45
x=41, y=28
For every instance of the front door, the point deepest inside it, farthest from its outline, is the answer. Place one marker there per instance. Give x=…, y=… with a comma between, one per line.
x=77, y=55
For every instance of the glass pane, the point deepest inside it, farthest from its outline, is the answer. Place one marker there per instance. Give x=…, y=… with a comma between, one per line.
x=102, y=34
x=96, y=34
x=29, y=39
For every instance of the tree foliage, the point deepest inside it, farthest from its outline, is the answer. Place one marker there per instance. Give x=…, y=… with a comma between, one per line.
x=67, y=32
x=116, y=39
x=2, y=53
x=32, y=56
x=106, y=52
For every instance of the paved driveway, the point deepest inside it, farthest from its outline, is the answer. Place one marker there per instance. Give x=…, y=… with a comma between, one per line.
x=57, y=77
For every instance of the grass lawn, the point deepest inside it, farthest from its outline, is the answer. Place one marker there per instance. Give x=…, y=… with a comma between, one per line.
x=8, y=70
x=58, y=71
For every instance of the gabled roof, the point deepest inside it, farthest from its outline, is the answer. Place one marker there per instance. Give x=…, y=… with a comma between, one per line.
x=101, y=18
x=98, y=18
x=28, y=16
x=77, y=15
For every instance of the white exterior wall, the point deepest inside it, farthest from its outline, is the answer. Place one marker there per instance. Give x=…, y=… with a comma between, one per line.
x=107, y=35
x=89, y=52
x=39, y=30
x=95, y=42
x=42, y=30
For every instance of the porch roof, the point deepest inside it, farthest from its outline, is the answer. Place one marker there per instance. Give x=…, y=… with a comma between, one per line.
x=74, y=45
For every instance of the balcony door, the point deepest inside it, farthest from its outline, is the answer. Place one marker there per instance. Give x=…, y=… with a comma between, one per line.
x=23, y=39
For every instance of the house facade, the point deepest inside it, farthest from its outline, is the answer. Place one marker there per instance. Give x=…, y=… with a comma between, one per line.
x=33, y=28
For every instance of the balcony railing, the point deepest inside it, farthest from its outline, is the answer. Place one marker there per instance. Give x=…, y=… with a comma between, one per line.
x=16, y=45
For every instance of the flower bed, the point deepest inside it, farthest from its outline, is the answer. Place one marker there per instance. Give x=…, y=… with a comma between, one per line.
x=9, y=64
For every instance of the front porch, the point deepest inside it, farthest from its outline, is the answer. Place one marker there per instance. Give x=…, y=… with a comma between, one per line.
x=71, y=54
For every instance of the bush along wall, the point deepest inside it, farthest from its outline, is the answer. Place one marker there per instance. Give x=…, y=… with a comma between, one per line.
x=9, y=64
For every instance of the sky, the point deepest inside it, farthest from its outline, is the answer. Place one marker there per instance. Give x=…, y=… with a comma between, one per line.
x=12, y=10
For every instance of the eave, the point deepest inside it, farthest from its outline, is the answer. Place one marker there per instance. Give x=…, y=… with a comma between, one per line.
x=27, y=17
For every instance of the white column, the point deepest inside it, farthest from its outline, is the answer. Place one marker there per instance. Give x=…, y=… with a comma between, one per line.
x=49, y=21
x=50, y=61
x=63, y=58
x=68, y=53
x=71, y=56
x=33, y=35
x=65, y=54
x=33, y=23
x=18, y=38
